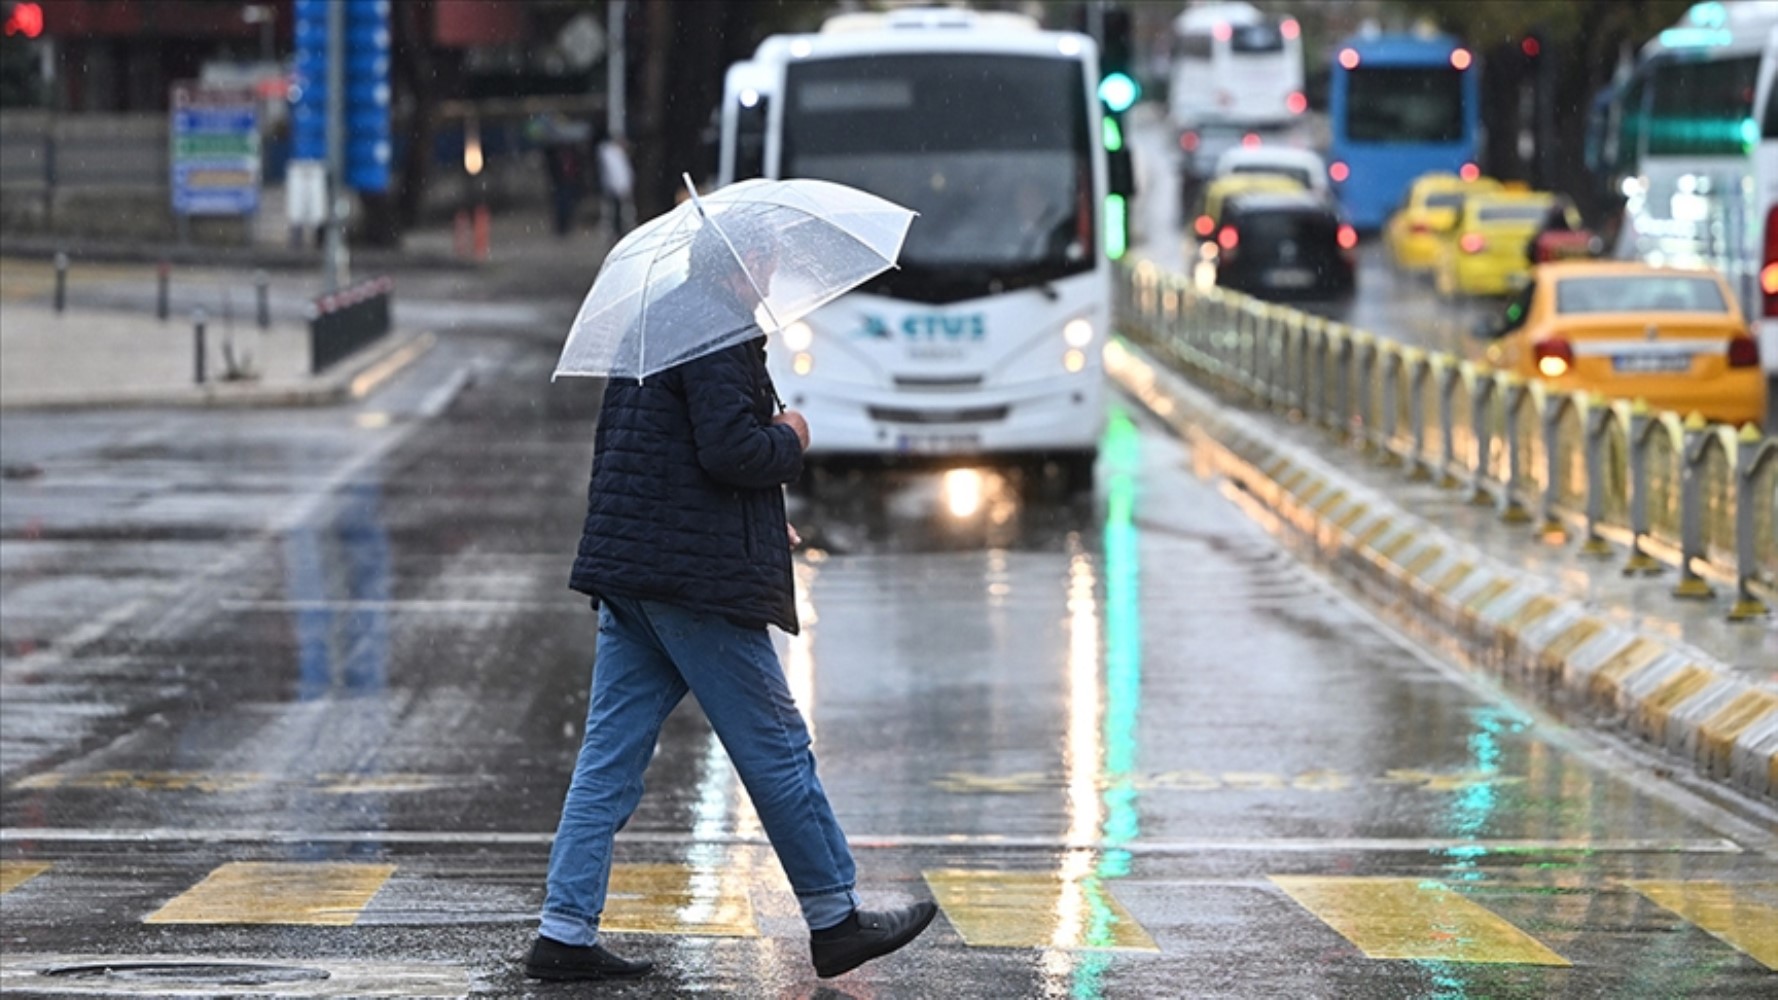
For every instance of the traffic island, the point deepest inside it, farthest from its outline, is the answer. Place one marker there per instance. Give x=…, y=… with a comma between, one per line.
x=1567, y=653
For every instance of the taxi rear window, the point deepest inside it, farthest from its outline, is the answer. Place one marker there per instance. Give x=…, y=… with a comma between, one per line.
x=1531, y=212
x=1639, y=293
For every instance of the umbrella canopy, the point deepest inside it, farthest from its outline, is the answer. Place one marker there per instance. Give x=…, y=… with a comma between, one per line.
x=725, y=268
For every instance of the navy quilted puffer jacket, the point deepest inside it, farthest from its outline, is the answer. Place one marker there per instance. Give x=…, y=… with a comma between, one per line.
x=686, y=504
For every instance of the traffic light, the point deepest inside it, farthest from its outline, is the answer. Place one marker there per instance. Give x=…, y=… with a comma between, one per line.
x=1117, y=83
x=24, y=19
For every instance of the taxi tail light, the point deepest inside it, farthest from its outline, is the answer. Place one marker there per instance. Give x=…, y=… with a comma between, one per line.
x=1473, y=243
x=1204, y=226
x=1419, y=228
x=1229, y=239
x=1188, y=142
x=1768, y=272
x=1743, y=352
x=1347, y=238
x=1554, y=356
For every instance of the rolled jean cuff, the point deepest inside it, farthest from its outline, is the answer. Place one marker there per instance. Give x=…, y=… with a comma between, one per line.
x=827, y=909
x=570, y=930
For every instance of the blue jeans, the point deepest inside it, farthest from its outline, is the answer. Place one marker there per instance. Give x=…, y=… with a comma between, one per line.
x=649, y=656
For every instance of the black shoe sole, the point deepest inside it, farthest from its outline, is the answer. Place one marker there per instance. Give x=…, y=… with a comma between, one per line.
x=893, y=944
x=556, y=975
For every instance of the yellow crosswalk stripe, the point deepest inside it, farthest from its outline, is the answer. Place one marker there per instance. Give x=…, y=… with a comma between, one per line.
x=1414, y=919
x=16, y=873
x=678, y=899
x=1019, y=910
x=252, y=892
x=1730, y=913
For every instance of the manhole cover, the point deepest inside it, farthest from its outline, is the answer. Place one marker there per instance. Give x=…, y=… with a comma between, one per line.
x=212, y=973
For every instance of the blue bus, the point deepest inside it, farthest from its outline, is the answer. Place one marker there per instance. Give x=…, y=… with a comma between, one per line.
x=1399, y=106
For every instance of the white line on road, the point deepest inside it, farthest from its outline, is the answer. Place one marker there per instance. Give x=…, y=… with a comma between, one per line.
x=447, y=606
x=1282, y=845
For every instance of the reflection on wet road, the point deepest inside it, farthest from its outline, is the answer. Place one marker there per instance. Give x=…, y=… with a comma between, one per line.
x=1127, y=742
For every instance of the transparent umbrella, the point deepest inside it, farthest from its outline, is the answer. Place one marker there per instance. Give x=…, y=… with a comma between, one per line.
x=724, y=268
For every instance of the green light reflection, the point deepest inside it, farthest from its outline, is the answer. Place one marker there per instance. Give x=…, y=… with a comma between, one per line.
x=1121, y=451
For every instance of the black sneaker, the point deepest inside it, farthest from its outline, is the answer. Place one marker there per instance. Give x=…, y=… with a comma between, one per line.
x=551, y=959
x=865, y=935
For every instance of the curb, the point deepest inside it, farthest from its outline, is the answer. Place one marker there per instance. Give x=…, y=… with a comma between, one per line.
x=1488, y=616
x=354, y=377
x=271, y=258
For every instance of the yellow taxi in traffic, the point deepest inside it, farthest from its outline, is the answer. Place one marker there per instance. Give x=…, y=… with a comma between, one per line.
x=1673, y=337
x=1221, y=189
x=1488, y=252
x=1430, y=209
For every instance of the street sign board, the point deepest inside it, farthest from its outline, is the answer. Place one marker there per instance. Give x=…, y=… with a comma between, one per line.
x=215, y=149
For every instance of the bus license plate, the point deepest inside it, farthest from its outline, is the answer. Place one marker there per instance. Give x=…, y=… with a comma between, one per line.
x=938, y=444
x=1292, y=277
x=1650, y=364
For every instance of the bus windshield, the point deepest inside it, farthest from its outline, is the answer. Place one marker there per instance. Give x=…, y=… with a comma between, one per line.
x=1404, y=104
x=1255, y=39
x=1698, y=107
x=991, y=150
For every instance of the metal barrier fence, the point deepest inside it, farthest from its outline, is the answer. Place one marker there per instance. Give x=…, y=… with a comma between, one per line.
x=1700, y=497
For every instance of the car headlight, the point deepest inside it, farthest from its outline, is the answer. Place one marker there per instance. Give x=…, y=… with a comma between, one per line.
x=1077, y=333
x=798, y=336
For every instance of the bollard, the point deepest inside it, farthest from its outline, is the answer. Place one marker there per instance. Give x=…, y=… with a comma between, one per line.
x=1447, y=420
x=1747, y=607
x=61, y=281
x=1386, y=455
x=1512, y=511
x=1359, y=421
x=197, y=339
x=1480, y=394
x=1641, y=563
x=1691, y=510
x=1551, y=528
x=1418, y=470
x=262, y=288
x=481, y=232
x=163, y=283
x=1598, y=416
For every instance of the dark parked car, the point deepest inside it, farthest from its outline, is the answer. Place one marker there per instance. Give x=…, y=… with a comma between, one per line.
x=1285, y=247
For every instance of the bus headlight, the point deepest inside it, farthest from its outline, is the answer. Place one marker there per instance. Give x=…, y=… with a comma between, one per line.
x=1077, y=333
x=798, y=336
x=1074, y=360
x=803, y=363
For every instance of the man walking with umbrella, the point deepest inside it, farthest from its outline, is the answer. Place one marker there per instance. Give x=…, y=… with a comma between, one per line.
x=686, y=553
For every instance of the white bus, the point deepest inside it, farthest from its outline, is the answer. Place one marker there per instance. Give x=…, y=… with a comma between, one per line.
x=1236, y=66
x=985, y=342
x=1694, y=153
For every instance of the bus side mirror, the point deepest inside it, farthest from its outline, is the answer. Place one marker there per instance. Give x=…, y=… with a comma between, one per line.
x=1121, y=173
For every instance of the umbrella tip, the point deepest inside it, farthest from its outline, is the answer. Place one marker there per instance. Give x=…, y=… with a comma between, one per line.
x=692, y=189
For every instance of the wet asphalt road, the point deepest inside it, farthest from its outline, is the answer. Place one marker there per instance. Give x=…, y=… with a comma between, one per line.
x=300, y=691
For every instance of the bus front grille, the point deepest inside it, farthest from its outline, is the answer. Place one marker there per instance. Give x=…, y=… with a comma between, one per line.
x=974, y=415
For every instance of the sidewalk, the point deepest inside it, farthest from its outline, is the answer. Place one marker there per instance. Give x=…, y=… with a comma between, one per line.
x=1567, y=630
x=109, y=349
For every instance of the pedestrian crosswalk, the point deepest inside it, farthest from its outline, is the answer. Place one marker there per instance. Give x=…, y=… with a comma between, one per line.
x=1382, y=918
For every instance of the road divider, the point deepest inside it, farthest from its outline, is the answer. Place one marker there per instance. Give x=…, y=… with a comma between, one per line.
x=1563, y=650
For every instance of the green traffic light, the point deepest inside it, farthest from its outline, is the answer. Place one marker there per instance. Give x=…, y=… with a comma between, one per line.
x=1119, y=92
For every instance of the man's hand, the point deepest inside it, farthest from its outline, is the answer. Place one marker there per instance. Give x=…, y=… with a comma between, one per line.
x=795, y=539
x=795, y=422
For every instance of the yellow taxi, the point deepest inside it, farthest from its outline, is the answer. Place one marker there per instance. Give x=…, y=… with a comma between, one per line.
x=1488, y=252
x=1673, y=337
x=1221, y=189
x=1430, y=209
